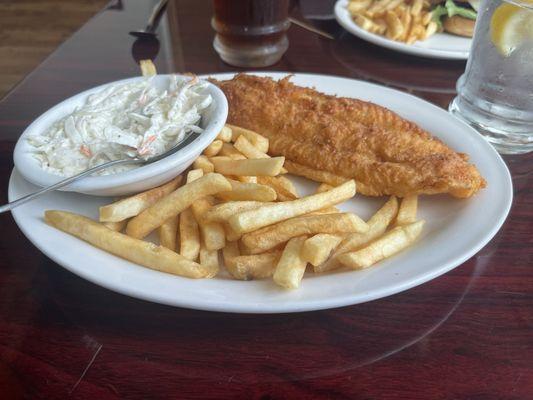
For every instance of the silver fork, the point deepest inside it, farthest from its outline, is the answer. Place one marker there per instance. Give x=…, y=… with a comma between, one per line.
x=90, y=171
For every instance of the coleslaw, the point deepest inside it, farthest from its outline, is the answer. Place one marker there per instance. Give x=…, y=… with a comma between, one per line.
x=128, y=120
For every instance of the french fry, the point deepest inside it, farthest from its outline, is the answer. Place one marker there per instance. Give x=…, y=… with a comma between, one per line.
x=231, y=235
x=392, y=5
x=411, y=39
x=426, y=19
x=380, y=26
x=209, y=260
x=248, y=167
x=245, y=251
x=284, y=183
x=225, y=134
x=229, y=252
x=407, y=20
x=134, y=205
x=416, y=7
x=400, y=10
x=283, y=187
x=189, y=234
x=394, y=25
x=431, y=29
x=249, y=267
x=318, y=248
x=359, y=6
x=203, y=163
x=389, y=244
x=377, y=224
x=213, y=149
x=400, y=20
x=137, y=251
x=269, y=214
x=212, y=233
x=410, y=35
x=168, y=233
x=376, y=28
x=418, y=31
x=245, y=179
x=189, y=231
x=255, y=138
x=327, y=210
x=254, y=267
x=363, y=22
x=407, y=210
x=282, y=197
x=250, y=151
x=314, y=174
x=269, y=237
x=248, y=191
x=377, y=7
x=291, y=266
x=228, y=150
x=116, y=226
x=174, y=203
x=147, y=68
x=222, y=212
x=323, y=187
x=194, y=174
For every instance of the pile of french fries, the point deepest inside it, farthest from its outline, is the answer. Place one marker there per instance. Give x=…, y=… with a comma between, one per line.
x=236, y=208
x=401, y=20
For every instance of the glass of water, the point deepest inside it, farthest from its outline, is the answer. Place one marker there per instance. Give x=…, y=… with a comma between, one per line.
x=495, y=94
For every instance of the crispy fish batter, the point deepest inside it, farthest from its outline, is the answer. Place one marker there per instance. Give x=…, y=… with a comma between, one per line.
x=384, y=153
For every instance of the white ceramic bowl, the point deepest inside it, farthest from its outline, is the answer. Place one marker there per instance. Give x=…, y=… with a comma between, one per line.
x=128, y=182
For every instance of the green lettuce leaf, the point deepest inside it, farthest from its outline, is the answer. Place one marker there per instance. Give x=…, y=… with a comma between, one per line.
x=450, y=9
x=437, y=14
x=454, y=9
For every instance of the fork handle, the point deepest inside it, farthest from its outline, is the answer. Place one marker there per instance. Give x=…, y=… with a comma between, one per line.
x=156, y=14
x=58, y=185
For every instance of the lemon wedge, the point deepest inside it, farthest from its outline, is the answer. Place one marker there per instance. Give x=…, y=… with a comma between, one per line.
x=510, y=26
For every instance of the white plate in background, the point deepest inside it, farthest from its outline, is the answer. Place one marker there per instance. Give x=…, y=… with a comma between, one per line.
x=440, y=45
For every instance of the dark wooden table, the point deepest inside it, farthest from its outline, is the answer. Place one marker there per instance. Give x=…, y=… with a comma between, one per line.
x=465, y=335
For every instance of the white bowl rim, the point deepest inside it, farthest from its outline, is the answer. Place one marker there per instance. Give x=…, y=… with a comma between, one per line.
x=31, y=170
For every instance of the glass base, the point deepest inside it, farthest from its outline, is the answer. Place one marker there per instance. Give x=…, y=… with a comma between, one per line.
x=251, y=57
x=505, y=135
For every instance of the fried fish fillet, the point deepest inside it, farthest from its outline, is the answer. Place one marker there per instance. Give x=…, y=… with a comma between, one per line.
x=383, y=152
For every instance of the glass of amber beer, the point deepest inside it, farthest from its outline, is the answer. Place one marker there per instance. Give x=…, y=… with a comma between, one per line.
x=251, y=33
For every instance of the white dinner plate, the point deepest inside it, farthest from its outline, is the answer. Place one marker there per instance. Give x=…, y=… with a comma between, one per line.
x=440, y=45
x=455, y=229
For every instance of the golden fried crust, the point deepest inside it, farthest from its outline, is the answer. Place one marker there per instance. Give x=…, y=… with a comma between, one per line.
x=384, y=153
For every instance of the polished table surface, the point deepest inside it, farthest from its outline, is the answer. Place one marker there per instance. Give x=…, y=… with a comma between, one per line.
x=465, y=335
